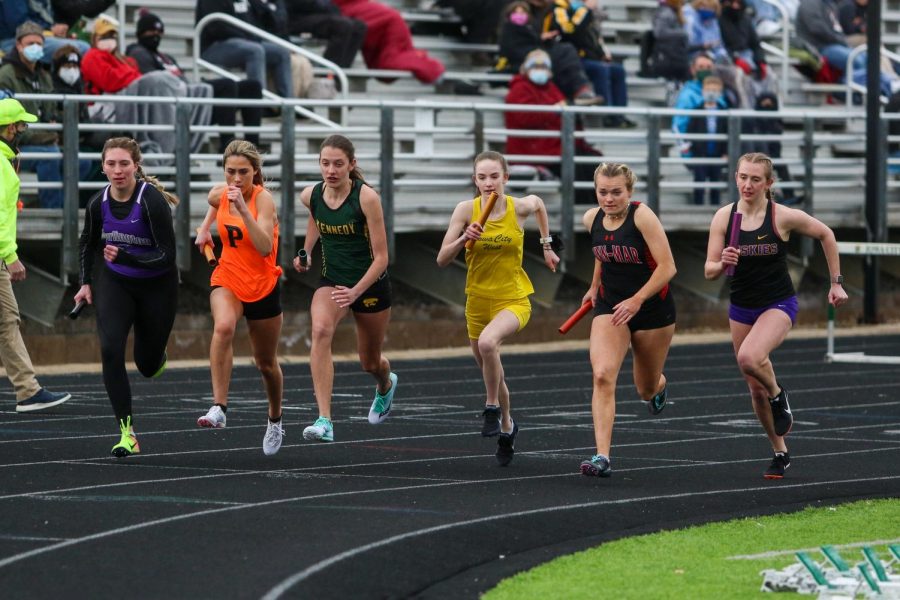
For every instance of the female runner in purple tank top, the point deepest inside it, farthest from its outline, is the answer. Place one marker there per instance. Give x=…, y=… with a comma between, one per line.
x=763, y=302
x=129, y=224
x=633, y=304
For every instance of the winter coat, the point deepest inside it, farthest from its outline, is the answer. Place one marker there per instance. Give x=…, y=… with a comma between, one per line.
x=669, y=55
x=523, y=91
x=105, y=73
x=388, y=43
x=738, y=34
x=817, y=23
x=579, y=29
x=19, y=79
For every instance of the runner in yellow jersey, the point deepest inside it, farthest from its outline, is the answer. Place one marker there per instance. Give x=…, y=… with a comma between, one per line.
x=497, y=287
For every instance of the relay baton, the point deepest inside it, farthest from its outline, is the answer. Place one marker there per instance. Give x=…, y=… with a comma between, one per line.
x=735, y=240
x=304, y=258
x=576, y=316
x=208, y=253
x=77, y=310
x=482, y=219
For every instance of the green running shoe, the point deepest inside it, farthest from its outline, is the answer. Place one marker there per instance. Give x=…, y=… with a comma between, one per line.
x=128, y=444
x=322, y=430
x=162, y=367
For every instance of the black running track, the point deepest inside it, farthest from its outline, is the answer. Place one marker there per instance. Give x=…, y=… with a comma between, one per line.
x=415, y=507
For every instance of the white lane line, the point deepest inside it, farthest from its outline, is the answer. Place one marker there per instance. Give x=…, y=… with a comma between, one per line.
x=772, y=553
x=29, y=538
x=534, y=453
x=277, y=591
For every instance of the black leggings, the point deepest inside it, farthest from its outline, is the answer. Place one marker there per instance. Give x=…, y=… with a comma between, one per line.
x=149, y=306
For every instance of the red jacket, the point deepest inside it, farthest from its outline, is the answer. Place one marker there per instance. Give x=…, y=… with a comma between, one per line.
x=104, y=73
x=523, y=91
x=388, y=43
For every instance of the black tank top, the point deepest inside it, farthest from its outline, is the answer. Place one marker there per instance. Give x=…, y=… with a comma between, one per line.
x=627, y=262
x=761, y=277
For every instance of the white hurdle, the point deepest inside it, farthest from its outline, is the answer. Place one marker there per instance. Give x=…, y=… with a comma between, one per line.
x=859, y=249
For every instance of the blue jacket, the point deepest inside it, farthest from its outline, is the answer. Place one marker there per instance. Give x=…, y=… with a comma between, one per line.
x=690, y=97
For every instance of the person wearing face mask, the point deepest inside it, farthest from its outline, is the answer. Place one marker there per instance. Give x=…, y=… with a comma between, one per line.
x=22, y=73
x=55, y=17
x=30, y=396
x=704, y=35
x=106, y=70
x=690, y=97
x=150, y=30
x=708, y=123
x=534, y=85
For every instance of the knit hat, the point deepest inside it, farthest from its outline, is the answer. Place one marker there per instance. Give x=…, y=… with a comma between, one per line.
x=65, y=55
x=28, y=28
x=149, y=22
x=105, y=24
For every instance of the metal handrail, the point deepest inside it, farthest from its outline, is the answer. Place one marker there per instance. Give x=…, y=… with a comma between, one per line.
x=293, y=48
x=785, y=44
x=851, y=85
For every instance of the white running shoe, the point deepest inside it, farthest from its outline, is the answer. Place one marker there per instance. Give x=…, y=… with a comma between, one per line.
x=272, y=441
x=214, y=419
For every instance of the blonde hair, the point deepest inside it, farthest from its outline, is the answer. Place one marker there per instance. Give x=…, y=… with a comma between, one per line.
x=247, y=150
x=616, y=170
x=134, y=150
x=758, y=158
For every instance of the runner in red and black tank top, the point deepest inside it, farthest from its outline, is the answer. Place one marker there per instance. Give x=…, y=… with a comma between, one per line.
x=761, y=276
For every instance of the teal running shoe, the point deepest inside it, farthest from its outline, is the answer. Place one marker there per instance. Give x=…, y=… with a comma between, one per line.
x=381, y=406
x=322, y=430
x=597, y=466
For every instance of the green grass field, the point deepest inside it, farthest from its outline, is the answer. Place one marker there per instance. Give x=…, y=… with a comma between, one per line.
x=694, y=562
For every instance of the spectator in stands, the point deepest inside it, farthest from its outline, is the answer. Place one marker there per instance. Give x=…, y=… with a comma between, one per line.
x=691, y=95
x=520, y=34
x=772, y=127
x=746, y=52
x=232, y=47
x=30, y=396
x=106, y=70
x=817, y=23
x=322, y=19
x=480, y=20
x=388, y=43
x=668, y=55
x=55, y=17
x=149, y=31
x=576, y=23
x=21, y=73
x=534, y=85
x=708, y=124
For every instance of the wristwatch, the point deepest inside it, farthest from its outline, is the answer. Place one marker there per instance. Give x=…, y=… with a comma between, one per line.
x=838, y=279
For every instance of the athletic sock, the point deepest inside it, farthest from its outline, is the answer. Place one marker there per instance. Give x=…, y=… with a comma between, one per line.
x=222, y=406
x=278, y=420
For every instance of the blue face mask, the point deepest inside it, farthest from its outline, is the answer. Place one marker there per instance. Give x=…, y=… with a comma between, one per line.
x=33, y=52
x=539, y=76
x=576, y=4
x=706, y=14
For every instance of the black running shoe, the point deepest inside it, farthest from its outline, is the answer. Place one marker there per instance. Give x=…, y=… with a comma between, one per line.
x=491, y=416
x=658, y=402
x=780, y=462
x=506, y=443
x=597, y=466
x=781, y=413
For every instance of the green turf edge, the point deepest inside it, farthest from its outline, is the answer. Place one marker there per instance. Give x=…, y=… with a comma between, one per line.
x=692, y=563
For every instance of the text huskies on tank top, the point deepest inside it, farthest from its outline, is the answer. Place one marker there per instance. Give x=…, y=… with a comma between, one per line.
x=131, y=234
x=627, y=261
x=242, y=269
x=344, y=232
x=495, y=261
x=761, y=277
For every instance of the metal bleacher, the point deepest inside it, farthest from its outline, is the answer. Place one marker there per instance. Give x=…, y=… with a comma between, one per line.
x=420, y=158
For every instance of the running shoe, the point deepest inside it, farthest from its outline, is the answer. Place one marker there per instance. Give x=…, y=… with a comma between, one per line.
x=272, y=440
x=597, y=466
x=214, y=419
x=658, y=402
x=322, y=430
x=780, y=462
x=506, y=443
x=781, y=413
x=381, y=406
x=44, y=398
x=491, y=416
x=128, y=444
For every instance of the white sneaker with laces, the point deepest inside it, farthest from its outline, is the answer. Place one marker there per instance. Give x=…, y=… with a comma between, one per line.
x=272, y=440
x=214, y=419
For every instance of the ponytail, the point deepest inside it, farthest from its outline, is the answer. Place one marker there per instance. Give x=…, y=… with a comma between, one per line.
x=171, y=198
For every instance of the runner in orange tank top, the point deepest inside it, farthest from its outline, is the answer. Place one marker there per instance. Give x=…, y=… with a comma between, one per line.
x=245, y=283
